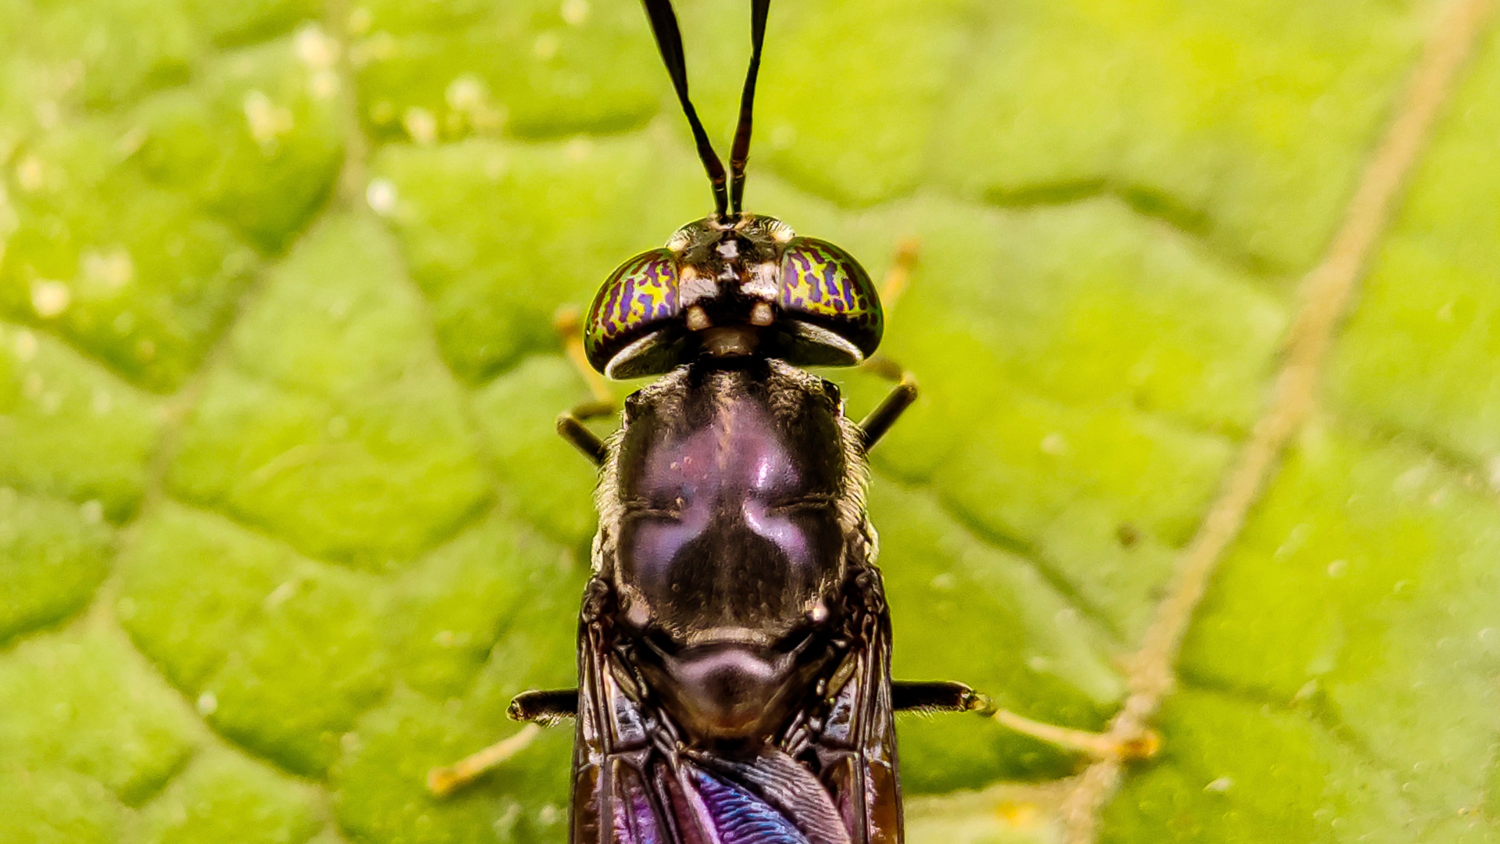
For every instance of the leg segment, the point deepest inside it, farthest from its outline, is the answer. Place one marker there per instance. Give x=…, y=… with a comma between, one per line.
x=1097, y=745
x=888, y=411
x=570, y=424
x=935, y=697
x=900, y=398
x=546, y=708
x=571, y=428
x=444, y=781
x=549, y=707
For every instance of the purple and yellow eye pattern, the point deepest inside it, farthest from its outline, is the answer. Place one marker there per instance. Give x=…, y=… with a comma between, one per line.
x=823, y=283
x=636, y=299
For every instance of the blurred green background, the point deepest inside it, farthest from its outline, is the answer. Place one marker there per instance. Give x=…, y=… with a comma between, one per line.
x=283, y=521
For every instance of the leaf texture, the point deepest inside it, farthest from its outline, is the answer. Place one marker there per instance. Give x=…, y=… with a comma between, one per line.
x=284, y=522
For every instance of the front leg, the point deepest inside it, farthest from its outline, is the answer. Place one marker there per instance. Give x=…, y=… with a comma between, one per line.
x=570, y=423
x=571, y=428
x=889, y=410
x=904, y=393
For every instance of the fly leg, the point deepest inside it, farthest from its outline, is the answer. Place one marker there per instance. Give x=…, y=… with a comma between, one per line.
x=956, y=697
x=444, y=781
x=538, y=709
x=571, y=428
x=1098, y=745
x=927, y=697
x=904, y=393
x=545, y=708
x=549, y=707
x=570, y=424
x=891, y=407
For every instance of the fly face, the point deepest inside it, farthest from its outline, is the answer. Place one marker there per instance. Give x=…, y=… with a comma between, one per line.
x=730, y=542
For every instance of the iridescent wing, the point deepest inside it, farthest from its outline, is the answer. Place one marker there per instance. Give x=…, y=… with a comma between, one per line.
x=614, y=801
x=634, y=784
x=856, y=745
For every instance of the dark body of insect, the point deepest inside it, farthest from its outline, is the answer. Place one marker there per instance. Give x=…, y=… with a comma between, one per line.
x=734, y=658
x=734, y=642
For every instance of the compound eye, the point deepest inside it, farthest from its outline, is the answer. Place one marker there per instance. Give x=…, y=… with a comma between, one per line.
x=639, y=300
x=824, y=287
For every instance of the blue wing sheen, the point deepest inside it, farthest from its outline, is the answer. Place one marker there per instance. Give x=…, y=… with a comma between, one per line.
x=742, y=818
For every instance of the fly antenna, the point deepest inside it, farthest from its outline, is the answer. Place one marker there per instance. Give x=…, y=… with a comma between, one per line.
x=740, y=153
x=669, y=41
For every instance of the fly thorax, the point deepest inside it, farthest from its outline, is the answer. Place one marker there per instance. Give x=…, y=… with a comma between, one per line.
x=730, y=549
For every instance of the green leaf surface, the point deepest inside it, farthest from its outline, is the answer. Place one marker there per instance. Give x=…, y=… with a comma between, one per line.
x=284, y=522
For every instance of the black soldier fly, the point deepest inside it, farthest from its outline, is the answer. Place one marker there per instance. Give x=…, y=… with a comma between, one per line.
x=734, y=642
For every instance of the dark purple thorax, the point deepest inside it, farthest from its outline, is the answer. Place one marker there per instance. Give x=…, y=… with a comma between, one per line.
x=730, y=545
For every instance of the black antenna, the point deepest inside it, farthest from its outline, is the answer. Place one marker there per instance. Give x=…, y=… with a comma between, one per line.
x=669, y=41
x=740, y=153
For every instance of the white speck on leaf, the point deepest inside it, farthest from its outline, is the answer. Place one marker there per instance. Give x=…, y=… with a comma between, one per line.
x=380, y=194
x=50, y=298
x=208, y=703
x=29, y=173
x=578, y=149
x=92, y=511
x=131, y=142
x=464, y=93
x=545, y=46
x=505, y=824
x=1412, y=479
x=280, y=595
x=315, y=48
x=323, y=85
x=1308, y=689
x=110, y=269
x=575, y=12
x=267, y=121
x=420, y=125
